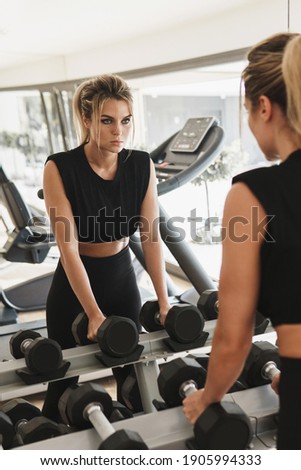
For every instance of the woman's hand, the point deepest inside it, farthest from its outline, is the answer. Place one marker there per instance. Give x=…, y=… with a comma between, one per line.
x=275, y=383
x=193, y=406
x=164, y=309
x=93, y=325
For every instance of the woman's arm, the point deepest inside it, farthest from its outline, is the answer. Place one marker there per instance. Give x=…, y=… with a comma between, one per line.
x=64, y=228
x=238, y=294
x=152, y=243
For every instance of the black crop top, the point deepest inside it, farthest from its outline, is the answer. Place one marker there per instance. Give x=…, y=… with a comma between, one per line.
x=278, y=188
x=104, y=210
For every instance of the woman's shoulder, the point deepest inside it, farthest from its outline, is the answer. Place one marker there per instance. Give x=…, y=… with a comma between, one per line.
x=136, y=158
x=255, y=174
x=64, y=157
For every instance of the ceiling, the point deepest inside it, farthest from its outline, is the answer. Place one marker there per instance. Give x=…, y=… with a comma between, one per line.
x=32, y=30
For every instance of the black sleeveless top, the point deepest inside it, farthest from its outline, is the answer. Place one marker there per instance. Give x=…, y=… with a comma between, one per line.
x=104, y=210
x=278, y=188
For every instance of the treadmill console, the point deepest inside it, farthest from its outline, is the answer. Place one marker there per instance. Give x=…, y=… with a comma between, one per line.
x=192, y=134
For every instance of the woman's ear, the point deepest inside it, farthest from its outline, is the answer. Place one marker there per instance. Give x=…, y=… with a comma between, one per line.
x=265, y=107
x=86, y=121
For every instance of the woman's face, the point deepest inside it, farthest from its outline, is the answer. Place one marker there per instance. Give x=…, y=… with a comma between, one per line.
x=112, y=130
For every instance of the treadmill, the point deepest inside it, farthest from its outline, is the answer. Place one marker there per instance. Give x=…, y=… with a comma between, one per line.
x=177, y=161
x=29, y=242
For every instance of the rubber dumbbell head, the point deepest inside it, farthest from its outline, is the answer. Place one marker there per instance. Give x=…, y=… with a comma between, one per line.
x=90, y=403
x=75, y=400
x=79, y=329
x=117, y=336
x=223, y=426
x=261, y=353
x=119, y=412
x=42, y=355
x=184, y=322
x=19, y=410
x=17, y=340
x=149, y=316
x=130, y=393
x=123, y=439
x=7, y=431
x=176, y=373
x=208, y=304
x=39, y=429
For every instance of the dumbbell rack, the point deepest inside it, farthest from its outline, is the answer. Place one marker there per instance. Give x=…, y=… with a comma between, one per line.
x=169, y=429
x=83, y=362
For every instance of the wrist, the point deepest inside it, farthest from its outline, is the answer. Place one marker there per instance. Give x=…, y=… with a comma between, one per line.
x=95, y=314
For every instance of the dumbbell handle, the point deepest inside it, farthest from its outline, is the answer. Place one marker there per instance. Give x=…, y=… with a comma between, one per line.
x=25, y=344
x=93, y=413
x=187, y=388
x=270, y=370
x=157, y=317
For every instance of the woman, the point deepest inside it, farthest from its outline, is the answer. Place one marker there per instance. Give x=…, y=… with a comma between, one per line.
x=261, y=247
x=96, y=195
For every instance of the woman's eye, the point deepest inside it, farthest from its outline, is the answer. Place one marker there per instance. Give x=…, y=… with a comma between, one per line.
x=126, y=121
x=106, y=121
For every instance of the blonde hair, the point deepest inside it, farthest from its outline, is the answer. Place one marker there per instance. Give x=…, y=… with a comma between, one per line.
x=263, y=74
x=90, y=97
x=291, y=66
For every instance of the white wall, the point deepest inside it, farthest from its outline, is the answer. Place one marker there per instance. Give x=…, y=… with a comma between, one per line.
x=233, y=30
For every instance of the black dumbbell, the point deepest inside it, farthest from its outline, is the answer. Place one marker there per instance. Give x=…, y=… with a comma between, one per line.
x=7, y=431
x=91, y=404
x=262, y=364
x=130, y=393
x=116, y=336
x=42, y=355
x=184, y=322
x=222, y=426
x=29, y=425
x=119, y=412
x=39, y=429
x=208, y=305
x=174, y=374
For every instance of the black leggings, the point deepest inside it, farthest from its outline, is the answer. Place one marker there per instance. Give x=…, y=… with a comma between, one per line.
x=114, y=285
x=289, y=428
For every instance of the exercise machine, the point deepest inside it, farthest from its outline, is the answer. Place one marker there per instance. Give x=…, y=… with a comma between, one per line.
x=29, y=242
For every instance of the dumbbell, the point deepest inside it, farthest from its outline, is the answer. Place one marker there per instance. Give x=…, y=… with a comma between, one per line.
x=208, y=305
x=119, y=412
x=7, y=431
x=28, y=423
x=91, y=404
x=222, y=426
x=262, y=364
x=184, y=322
x=117, y=336
x=42, y=355
x=130, y=392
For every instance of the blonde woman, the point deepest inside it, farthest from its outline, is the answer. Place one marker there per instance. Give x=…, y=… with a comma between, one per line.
x=262, y=256
x=96, y=195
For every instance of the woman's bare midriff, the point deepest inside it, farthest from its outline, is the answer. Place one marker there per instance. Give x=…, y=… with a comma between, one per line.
x=101, y=250
x=289, y=340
